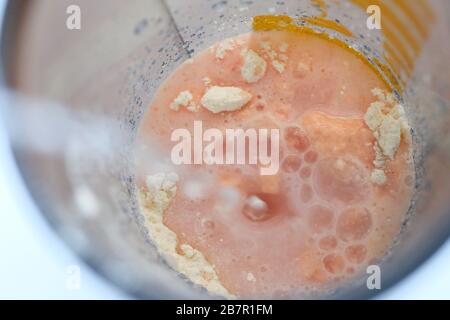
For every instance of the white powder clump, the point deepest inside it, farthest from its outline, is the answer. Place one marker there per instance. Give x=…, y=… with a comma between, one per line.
x=184, y=99
x=250, y=277
x=254, y=67
x=220, y=99
x=223, y=47
x=279, y=66
x=207, y=81
x=386, y=118
x=278, y=59
x=389, y=136
x=378, y=177
x=161, y=189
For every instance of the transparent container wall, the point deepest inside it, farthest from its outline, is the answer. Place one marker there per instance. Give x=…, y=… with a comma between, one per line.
x=77, y=97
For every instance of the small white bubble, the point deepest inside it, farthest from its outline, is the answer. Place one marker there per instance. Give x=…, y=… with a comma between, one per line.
x=86, y=201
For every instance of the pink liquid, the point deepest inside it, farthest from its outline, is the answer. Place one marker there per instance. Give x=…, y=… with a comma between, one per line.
x=324, y=221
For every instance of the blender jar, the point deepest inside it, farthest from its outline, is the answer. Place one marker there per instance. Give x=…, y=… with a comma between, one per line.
x=77, y=98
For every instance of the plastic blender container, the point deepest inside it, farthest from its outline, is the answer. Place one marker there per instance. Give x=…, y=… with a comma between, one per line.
x=77, y=97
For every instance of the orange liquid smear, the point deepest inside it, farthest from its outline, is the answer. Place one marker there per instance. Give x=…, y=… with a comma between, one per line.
x=324, y=221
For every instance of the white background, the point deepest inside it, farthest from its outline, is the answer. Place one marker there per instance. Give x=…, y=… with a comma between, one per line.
x=34, y=261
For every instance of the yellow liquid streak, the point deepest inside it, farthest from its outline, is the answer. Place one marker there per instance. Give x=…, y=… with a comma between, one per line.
x=390, y=16
x=322, y=7
x=407, y=57
x=395, y=62
x=329, y=24
x=405, y=6
x=395, y=42
x=286, y=23
x=424, y=6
